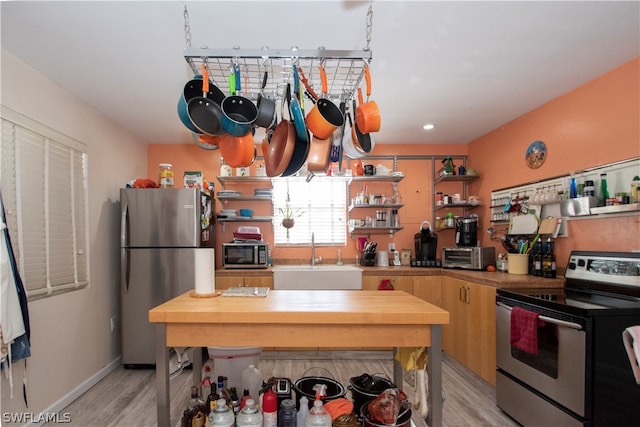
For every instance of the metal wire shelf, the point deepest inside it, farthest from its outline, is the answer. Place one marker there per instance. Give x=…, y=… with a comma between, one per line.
x=344, y=69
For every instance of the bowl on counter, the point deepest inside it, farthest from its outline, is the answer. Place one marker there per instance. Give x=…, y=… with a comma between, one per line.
x=246, y=212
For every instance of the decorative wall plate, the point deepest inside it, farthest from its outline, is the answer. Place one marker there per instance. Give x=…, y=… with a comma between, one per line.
x=536, y=154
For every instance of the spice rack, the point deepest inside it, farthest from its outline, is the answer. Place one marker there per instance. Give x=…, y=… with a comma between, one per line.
x=344, y=69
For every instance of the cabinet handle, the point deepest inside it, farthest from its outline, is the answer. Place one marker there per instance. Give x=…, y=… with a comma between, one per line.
x=461, y=293
x=467, y=293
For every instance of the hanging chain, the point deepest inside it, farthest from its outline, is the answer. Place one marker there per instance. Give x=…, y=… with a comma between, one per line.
x=369, y=27
x=187, y=27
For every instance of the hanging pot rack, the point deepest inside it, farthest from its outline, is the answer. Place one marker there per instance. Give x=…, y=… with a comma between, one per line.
x=344, y=69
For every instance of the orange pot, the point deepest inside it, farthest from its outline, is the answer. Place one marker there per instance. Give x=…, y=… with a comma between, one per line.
x=325, y=117
x=238, y=151
x=367, y=113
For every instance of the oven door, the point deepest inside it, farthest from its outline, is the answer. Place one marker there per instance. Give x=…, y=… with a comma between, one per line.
x=557, y=371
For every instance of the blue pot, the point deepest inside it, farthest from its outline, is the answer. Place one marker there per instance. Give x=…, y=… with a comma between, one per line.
x=193, y=89
x=238, y=115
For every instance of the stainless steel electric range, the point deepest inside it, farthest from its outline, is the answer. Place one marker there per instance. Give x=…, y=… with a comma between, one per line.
x=580, y=374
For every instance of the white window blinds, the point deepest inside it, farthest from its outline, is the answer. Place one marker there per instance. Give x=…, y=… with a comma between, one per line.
x=319, y=206
x=44, y=190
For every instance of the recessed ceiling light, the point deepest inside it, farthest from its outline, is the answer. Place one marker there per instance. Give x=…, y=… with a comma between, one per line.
x=428, y=126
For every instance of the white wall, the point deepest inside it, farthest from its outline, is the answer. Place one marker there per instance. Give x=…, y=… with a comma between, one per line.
x=71, y=338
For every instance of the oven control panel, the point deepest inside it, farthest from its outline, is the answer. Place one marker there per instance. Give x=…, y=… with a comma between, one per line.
x=619, y=268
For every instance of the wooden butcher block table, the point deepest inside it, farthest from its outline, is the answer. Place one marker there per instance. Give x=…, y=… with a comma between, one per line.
x=349, y=319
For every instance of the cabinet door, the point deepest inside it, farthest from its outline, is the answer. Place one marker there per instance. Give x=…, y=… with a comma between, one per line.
x=454, y=336
x=428, y=288
x=481, y=331
x=226, y=282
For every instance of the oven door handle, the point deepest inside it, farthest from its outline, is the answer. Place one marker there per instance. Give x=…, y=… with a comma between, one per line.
x=547, y=319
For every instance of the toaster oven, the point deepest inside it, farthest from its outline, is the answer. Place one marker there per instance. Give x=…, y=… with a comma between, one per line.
x=469, y=258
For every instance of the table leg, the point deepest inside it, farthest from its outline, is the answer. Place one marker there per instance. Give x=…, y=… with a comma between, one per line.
x=196, y=365
x=398, y=376
x=434, y=370
x=162, y=377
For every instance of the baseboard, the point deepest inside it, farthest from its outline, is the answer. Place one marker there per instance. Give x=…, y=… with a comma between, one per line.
x=65, y=400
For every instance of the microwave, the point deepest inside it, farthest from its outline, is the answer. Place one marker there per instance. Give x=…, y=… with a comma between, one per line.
x=469, y=258
x=245, y=255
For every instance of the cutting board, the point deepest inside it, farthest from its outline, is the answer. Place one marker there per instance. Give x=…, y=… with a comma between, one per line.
x=524, y=224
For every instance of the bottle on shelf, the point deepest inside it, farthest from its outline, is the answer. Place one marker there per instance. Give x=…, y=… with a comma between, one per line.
x=318, y=416
x=303, y=412
x=234, y=401
x=225, y=169
x=635, y=190
x=270, y=409
x=249, y=415
x=287, y=416
x=573, y=187
x=603, y=195
x=212, y=398
x=221, y=415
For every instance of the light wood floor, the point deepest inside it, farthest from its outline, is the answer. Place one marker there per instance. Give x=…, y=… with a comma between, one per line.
x=126, y=397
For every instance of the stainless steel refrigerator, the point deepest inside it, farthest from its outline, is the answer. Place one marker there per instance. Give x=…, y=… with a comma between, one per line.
x=161, y=230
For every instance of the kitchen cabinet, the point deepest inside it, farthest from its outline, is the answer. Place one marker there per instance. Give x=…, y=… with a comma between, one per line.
x=428, y=288
x=470, y=336
x=462, y=206
x=359, y=209
x=400, y=283
x=245, y=185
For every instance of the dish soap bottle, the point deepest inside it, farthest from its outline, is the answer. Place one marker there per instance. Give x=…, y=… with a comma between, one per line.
x=603, y=195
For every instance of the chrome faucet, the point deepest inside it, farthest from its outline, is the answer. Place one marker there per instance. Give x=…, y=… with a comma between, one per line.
x=313, y=251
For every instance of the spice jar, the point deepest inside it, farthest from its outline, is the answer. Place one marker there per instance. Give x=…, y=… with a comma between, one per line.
x=165, y=175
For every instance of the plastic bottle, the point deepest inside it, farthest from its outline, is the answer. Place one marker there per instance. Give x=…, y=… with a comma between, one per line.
x=287, y=416
x=603, y=195
x=269, y=409
x=165, y=175
x=221, y=415
x=573, y=187
x=252, y=381
x=635, y=190
x=318, y=416
x=249, y=415
x=303, y=412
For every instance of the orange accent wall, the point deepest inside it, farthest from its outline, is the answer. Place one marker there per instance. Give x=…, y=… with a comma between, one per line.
x=597, y=123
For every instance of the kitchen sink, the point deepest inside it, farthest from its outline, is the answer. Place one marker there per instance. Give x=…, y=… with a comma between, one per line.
x=317, y=277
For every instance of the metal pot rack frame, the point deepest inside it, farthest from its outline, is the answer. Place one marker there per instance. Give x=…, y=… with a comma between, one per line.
x=344, y=69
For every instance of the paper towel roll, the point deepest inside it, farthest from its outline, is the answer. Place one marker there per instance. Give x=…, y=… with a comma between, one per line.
x=205, y=271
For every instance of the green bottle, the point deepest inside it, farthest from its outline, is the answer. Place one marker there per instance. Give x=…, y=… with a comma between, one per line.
x=603, y=195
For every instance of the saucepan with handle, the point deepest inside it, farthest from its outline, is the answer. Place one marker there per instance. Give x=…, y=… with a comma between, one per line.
x=325, y=117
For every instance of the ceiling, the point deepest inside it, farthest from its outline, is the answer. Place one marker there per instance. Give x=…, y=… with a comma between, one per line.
x=467, y=67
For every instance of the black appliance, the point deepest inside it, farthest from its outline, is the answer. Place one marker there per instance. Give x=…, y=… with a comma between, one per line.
x=426, y=244
x=467, y=232
x=582, y=374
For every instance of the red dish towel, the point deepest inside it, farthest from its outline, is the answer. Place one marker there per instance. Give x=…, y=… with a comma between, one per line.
x=524, y=330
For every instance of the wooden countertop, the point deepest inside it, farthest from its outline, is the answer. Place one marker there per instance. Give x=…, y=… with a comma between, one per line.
x=496, y=279
x=308, y=307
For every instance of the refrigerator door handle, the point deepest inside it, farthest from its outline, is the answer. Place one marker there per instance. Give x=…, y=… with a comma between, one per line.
x=125, y=268
x=124, y=226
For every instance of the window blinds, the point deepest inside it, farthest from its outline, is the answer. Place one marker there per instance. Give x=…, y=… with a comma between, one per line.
x=44, y=188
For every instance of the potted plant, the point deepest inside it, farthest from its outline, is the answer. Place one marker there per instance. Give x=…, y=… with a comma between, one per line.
x=288, y=216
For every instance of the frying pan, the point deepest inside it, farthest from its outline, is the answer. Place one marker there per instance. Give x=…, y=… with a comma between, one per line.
x=325, y=117
x=206, y=142
x=279, y=149
x=367, y=114
x=191, y=90
x=336, y=148
x=300, y=153
x=205, y=113
x=296, y=110
x=347, y=142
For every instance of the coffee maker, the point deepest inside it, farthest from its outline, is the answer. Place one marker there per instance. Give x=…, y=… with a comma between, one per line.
x=467, y=232
x=426, y=244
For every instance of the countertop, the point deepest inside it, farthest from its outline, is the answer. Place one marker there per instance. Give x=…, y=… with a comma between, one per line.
x=496, y=279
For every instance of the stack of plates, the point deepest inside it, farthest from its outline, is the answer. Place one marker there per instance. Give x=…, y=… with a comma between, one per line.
x=229, y=212
x=228, y=193
x=263, y=192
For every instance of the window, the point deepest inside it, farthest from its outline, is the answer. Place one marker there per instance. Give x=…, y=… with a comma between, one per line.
x=322, y=205
x=44, y=189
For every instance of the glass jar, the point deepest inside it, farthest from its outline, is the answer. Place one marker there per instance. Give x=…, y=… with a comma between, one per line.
x=449, y=220
x=165, y=175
